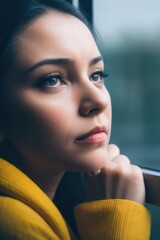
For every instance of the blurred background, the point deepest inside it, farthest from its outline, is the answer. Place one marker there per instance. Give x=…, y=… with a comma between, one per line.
x=130, y=44
x=129, y=37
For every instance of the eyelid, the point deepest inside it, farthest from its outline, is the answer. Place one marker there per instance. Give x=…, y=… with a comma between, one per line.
x=42, y=80
x=52, y=74
x=102, y=73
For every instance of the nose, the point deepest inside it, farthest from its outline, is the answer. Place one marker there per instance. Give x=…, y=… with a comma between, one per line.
x=93, y=99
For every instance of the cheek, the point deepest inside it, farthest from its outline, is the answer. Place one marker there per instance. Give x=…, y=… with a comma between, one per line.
x=40, y=131
x=30, y=119
x=108, y=110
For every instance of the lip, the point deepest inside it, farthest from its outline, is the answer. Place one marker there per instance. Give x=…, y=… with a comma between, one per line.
x=96, y=135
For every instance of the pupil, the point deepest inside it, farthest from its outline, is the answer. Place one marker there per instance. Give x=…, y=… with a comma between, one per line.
x=53, y=81
x=96, y=77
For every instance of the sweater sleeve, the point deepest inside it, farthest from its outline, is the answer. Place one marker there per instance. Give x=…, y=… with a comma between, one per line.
x=113, y=220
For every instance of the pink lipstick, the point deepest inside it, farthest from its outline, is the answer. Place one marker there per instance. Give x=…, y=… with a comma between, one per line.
x=95, y=136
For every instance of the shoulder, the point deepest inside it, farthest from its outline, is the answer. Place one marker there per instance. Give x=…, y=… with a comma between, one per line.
x=19, y=221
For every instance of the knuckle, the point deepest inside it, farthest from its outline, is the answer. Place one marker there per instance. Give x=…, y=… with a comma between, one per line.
x=121, y=171
x=108, y=169
x=137, y=172
x=124, y=157
x=113, y=148
x=125, y=160
x=121, y=159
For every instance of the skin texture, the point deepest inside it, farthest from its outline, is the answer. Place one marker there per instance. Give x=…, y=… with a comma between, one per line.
x=119, y=179
x=42, y=120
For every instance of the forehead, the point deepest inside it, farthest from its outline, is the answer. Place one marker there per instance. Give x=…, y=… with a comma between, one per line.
x=56, y=34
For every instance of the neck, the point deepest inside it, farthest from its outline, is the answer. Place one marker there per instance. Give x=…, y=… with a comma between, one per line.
x=47, y=179
x=45, y=175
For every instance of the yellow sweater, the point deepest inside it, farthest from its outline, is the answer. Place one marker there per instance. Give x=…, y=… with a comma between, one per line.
x=26, y=213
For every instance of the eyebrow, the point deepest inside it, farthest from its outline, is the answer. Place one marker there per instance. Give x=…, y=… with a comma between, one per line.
x=59, y=61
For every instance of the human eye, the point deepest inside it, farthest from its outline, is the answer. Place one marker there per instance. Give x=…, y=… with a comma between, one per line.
x=98, y=77
x=52, y=80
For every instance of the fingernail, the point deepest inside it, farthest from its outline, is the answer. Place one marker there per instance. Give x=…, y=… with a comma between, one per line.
x=94, y=173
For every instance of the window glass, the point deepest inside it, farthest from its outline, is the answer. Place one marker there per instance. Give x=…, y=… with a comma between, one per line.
x=130, y=44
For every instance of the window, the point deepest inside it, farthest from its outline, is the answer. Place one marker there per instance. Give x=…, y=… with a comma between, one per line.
x=130, y=43
x=130, y=33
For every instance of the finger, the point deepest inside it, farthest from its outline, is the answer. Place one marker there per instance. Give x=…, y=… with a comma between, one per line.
x=94, y=173
x=121, y=159
x=113, y=151
x=137, y=172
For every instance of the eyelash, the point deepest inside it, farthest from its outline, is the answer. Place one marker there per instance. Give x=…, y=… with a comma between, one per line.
x=42, y=83
x=48, y=78
x=102, y=76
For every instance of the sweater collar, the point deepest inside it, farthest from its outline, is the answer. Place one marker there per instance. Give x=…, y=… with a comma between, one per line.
x=16, y=184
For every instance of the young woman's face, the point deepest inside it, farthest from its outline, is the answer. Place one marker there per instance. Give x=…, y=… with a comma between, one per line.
x=56, y=107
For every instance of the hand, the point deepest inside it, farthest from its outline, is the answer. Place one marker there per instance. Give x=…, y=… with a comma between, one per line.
x=118, y=179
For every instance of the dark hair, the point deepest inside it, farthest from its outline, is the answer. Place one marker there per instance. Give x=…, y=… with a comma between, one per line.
x=15, y=15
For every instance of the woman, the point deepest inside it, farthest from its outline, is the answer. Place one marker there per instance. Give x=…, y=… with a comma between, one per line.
x=56, y=117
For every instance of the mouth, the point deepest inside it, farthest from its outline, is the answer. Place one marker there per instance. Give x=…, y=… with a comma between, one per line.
x=96, y=135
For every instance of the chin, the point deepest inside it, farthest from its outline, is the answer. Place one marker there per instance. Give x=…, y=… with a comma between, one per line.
x=92, y=161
